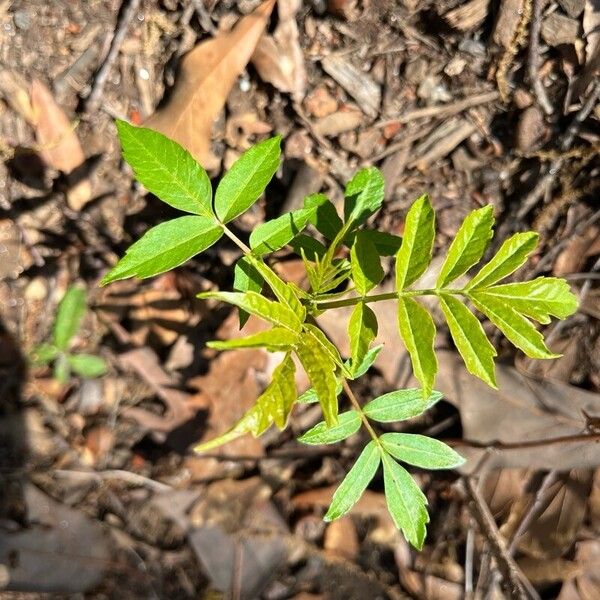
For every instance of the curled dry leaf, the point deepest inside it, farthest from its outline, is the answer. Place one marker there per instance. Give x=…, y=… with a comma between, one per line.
x=179, y=405
x=586, y=585
x=279, y=59
x=562, y=511
x=206, y=77
x=59, y=145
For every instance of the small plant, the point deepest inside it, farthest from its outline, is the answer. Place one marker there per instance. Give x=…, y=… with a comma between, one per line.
x=343, y=267
x=66, y=325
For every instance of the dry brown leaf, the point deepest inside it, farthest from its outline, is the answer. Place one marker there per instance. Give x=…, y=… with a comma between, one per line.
x=206, y=77
x=279, y=59
x=585, y=586
x=595, y=503
x=14, y=90
x=544, y=571
x=235, y=527
x=59, y=145
x=341, y=539
x=501, y=487
x=180, y=406
x=578, y=249
x=563, y=510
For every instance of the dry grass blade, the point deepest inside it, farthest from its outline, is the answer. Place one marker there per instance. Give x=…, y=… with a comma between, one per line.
x=206, y=77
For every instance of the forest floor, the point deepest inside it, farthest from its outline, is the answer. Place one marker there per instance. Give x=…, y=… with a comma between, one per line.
x=473, y=102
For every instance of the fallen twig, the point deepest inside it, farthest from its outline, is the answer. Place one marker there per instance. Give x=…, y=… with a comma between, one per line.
x=442, y=110
x=511, y=579
x=127, y=476
x=93, y=100
x=533, y=58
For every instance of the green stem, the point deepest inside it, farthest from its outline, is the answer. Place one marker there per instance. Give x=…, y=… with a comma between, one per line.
x=387, y=296
x=236, y=240
x=355, y=403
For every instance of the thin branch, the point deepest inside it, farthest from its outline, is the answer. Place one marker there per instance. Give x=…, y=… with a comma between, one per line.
x=497, y=445
x=533, y=59
x=93, y=100
x=127, y=476
x=358, y=408
x=533, y=511
x=509, y=570
x=442, y=110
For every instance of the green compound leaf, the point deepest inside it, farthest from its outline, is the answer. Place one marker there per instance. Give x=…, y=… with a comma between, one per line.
x=362, y=330
x=363, y=195
x=272, y=407
x=406, y=502
x=43, y=354
x=310, y=395
x=517, y=328
x=284, y=292
x=68, y=316
x=166, y=169
x=247, y=179
x=512, y=254
x=418, y=333
x=386, y=244
x=275, y=234
x=538, y=299
x=321, y=339
x=255, y=304
x=87, y=365
x=367, y=362
x=320, y=368
x=165, y=247
x=246, y=279
x=355, y=483
x=414, y=255
x=470, y=339
x=307, y=247
x=468, y=246
x=326, y=219
x=421, y=451
x=274, y=340
x=348, y=424
x=400, y=405
x=366, y=268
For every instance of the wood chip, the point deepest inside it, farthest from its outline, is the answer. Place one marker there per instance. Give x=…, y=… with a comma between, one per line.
x=442, y=141
x=357, y=83
x=572, y=7
x=339, y=122
x=558, y=29
x=507, y=22
x=469, y=16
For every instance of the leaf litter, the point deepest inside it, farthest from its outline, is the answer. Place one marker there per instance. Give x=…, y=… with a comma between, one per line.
x=551, y=410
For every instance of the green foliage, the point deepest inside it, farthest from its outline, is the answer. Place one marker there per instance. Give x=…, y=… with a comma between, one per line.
x=406, y=502
x=356, y=481
x=247, y=179
x=420, y=451
x=348, y=424
x=165, y=247
x=399, y=405
x=342, y=258
x=69, y=314
x=166, y=169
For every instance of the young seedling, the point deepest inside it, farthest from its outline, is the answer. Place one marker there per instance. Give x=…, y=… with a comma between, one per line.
x=66, y=325
x=338, y=279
